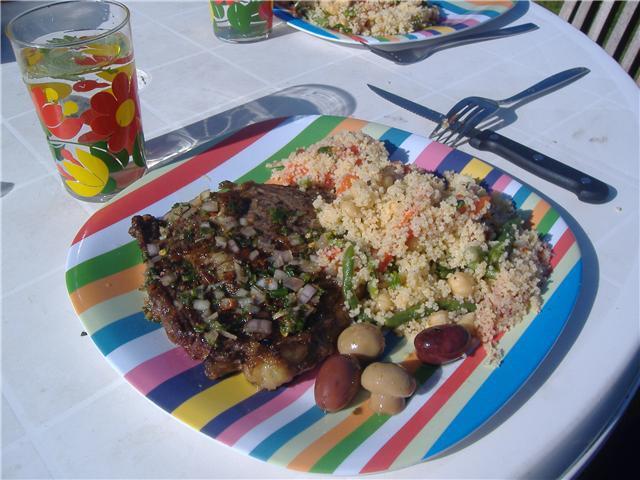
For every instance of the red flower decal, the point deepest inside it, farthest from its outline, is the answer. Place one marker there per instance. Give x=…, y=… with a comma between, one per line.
x=87, y=85
x=114, y=116
x=52, y=116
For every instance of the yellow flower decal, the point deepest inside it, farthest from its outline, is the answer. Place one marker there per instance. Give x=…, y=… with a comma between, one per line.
x=102, y=49
x=112, y=72
x=53, y=91
x=90, y=175
x=32, y=56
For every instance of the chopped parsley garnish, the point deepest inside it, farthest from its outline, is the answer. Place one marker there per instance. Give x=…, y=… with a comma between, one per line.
x=278, y=215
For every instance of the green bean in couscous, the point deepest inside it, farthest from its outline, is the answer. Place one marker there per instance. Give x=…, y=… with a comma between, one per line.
x=412, y=249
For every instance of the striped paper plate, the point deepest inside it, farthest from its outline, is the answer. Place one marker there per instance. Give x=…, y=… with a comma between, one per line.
x=284, y=427
x=456, y=16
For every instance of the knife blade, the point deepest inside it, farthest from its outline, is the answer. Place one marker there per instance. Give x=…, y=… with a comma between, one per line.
x=587, y=188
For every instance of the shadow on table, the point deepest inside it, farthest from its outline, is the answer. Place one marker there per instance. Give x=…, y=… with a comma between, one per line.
x=309, y=99
x=576, y=321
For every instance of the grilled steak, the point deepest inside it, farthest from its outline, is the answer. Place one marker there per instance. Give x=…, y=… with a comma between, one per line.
x=230, y=277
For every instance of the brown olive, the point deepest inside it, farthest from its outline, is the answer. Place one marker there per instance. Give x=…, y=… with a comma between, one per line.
x=441, y=344
x=337, y=382
x=362, y=340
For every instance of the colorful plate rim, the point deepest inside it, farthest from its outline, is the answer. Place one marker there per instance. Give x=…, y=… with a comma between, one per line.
x=284, y=427
x=466, y=15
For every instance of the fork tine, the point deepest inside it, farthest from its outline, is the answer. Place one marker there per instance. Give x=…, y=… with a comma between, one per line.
x=448, y=122
x=457, y=121
x=444, y=123
x=469, y=124
x=457, y=116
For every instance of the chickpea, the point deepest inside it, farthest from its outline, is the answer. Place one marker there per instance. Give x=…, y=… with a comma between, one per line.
x=387, y=181
x=350, y=209
x=362, y=340
x=387, y=381
x=384, y=302
x=461, y=284
x=440, y=317
x=468, y=321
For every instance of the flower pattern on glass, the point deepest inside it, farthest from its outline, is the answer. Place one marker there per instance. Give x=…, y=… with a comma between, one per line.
x=85, y=174
x=54, y=112
x=114, y=116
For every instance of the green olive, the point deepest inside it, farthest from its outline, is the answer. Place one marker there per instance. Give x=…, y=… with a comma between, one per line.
x=362, y=340
x=388, y=379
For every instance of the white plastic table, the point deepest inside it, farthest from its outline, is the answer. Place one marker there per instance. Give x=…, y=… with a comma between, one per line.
x=67, y=414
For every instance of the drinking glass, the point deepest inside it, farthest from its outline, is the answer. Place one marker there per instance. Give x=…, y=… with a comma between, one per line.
x=241, y=20
x=76, y=59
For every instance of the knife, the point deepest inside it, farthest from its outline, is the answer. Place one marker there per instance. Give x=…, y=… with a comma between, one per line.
x=587, y=188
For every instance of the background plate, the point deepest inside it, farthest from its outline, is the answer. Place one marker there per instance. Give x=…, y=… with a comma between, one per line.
x=458, y=16
x=284, y=427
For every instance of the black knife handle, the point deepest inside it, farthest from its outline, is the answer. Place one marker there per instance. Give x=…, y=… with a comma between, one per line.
x=587, y=188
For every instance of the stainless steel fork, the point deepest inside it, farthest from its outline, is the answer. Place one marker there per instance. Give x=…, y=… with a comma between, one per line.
x=469, y=112
x=415, y=52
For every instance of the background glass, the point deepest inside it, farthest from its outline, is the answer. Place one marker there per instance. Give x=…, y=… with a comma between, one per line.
x=76, y=59
x=241, y=20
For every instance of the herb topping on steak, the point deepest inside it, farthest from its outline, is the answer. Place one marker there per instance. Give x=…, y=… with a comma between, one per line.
x=231, y=277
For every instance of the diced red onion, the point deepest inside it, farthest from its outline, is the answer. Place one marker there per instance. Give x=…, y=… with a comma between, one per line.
x=244, y=302
x=233, y=246
x=167, y=279
x=211, y=317
x=243, y=221
x=219, y=294
x=253, y=309
x=306, y=293
x=241, y=276
x=201, y=305
x=293, y=283
x=210, y=206
x=256, y=325
x=277, y=261
x=258, y=296
x=155, y=259
x=295, y=239
x=265, y=244
x=221, y=241
x=205, y=225
x=241, y=292
x=280, y=275
x=230, y=335
x=253, y=255
x=226, y=222
x=262, y=282
x=248, y=231
x=153, y=249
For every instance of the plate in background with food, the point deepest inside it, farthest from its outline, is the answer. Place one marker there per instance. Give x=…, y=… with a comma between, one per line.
x=106, y=272
x=389, y=22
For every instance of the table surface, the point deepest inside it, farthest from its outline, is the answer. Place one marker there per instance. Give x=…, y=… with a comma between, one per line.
x=66, y=413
